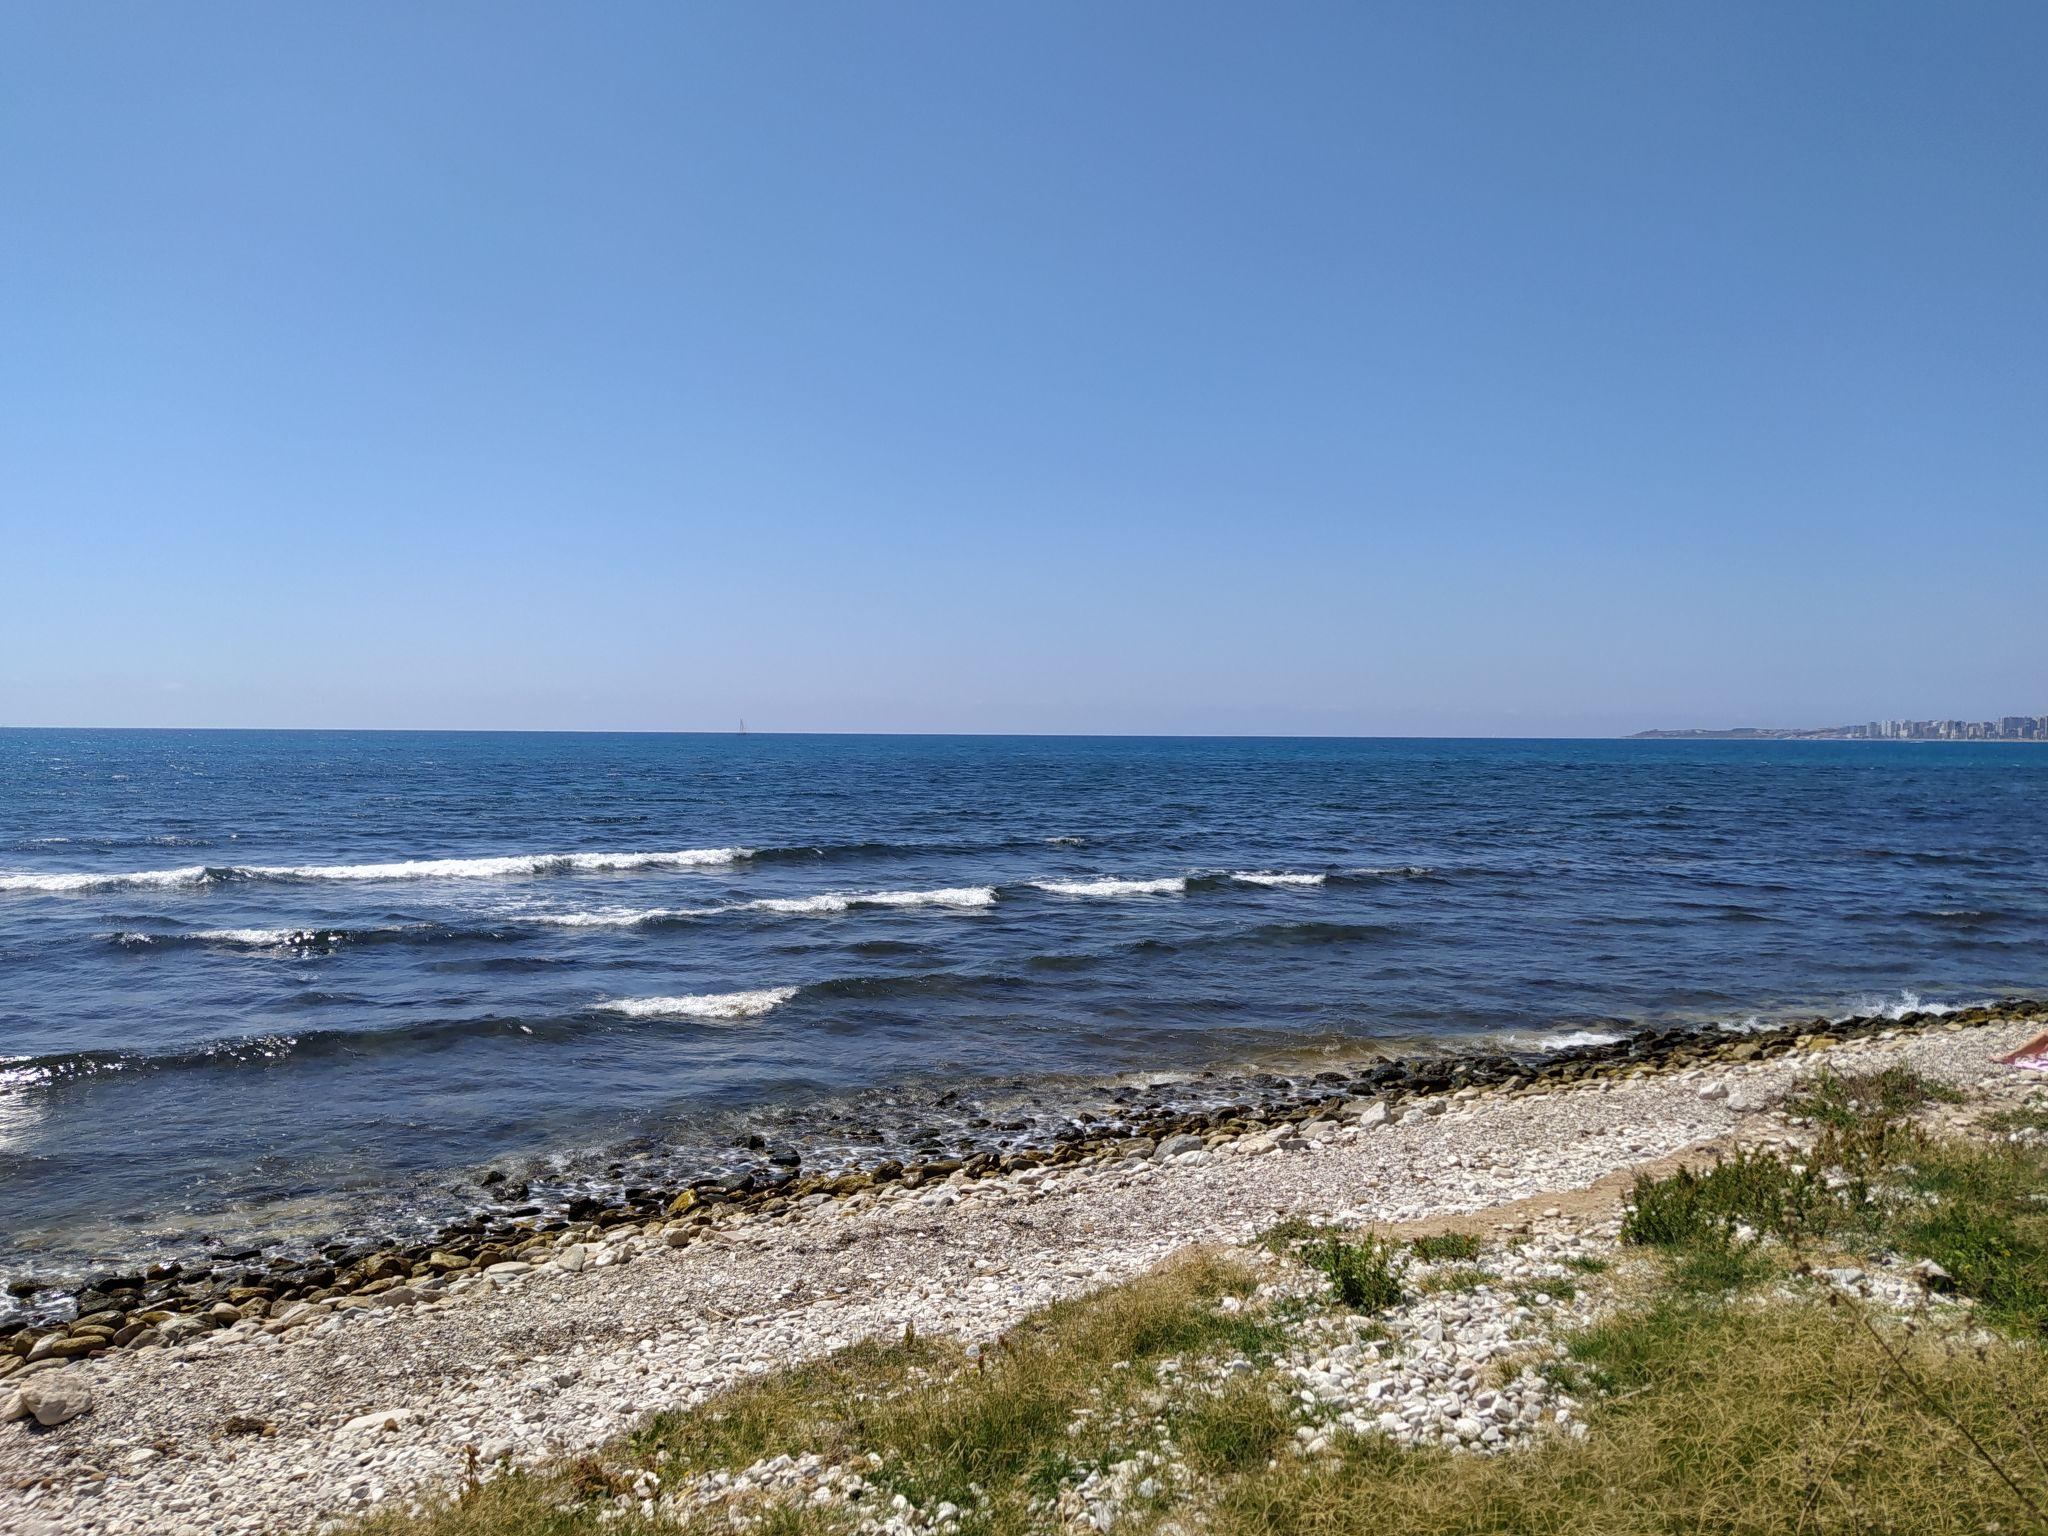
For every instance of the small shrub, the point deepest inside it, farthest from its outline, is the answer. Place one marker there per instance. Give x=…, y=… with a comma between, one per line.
x=1845, y=1102
x=1446, y=1245
x=1285, y=1237
x=2030, y=1120
x=1980, y=1218
x=1688, y=1209
x=1362, y=1273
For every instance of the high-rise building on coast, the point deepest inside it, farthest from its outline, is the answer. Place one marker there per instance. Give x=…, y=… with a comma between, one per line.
x=2004, y=728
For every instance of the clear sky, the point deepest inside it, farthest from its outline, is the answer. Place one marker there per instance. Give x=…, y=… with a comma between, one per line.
x=1422, y=369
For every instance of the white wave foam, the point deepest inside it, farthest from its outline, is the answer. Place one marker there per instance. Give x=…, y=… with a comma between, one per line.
x=402, y=869
x=1172, y=886
x=1906, y=1002
x=1393, y=871
x=1564, y=1040
x=841, y=901
x=1872, y=1005
x=190, y=874
x=256, y=938
x=707, y=1005
x=614, y=917
x=1267, y=877
x=491, y=868
x=1066, y=842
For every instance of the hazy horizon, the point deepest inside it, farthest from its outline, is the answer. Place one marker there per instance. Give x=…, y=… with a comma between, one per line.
x=750, y=730
x=1434, y=371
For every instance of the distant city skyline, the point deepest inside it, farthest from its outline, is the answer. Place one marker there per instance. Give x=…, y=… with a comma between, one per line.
x=1301, y=369
x=2004, y=728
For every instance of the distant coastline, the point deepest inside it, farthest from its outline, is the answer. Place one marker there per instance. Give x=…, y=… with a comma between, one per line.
x=2006, y=728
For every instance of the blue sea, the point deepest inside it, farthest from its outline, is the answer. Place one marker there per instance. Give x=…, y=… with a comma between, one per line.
x=276, y=987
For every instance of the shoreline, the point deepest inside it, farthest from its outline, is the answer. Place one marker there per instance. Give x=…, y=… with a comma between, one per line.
x=531, y=1359
x=132, y=1305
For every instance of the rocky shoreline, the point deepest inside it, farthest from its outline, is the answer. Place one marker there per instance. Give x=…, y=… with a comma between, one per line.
x=175, y=1303
x=330, y=1404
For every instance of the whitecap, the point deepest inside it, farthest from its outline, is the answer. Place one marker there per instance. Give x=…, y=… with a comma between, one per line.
x=841, y=901
x=707, y=1005
x=490, y=868
x=614, y=917
x=256, y=938
x=190, y=874
x=1268, y=877
x=1174, y=885
x=401, y=869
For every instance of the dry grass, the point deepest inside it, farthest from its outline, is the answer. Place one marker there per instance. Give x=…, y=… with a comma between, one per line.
x=1717, y=1406
x=1722, y=1420
x=1076, y=1383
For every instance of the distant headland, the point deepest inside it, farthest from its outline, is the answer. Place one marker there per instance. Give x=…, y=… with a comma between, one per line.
x=2006, y=728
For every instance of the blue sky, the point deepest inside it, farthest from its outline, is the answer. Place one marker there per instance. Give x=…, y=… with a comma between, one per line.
x=1418, y=369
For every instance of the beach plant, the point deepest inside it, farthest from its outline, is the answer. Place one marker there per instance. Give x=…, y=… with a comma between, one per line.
x=1789, y=1412
x=1850, y=1100
x=1363, y=1275
x=1977, y=1210
x=1761, y=1191
x=1709, y=1418
x=1445, y=1245
x=1237, y=1428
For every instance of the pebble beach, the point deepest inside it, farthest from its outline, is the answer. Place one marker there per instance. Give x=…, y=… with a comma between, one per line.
x=303, y=1412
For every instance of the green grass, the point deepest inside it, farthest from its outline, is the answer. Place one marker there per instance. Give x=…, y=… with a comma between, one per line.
x=1445, y=1245
x=1556, y=1290
x=1852, y=1100
x=943, y=1426
x=1874, y=1184
x=1238, y=1429
x=2028, y=1118
x=1716, y=1406
x=1719, y=1421
x=1362, y=1275
x=1760, y=1190
x=1976, y=1210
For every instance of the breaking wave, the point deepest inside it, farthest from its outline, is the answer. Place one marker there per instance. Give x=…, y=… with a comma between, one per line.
x=191, y=874
x=618, y=917
x=1174, y=885
x=706, y=1005
x=959, y=897
x=1562, y=1040
x=299, y=941
x=964, y=896
x=1268, y=877
x=402, y=869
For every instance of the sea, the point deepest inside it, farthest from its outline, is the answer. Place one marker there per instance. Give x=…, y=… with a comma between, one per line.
x=270, y=988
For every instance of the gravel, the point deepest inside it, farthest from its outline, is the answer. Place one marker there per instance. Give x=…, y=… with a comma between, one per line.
x=279, y=1423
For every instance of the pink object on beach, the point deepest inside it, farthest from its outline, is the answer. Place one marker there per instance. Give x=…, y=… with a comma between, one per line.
x=2033, y=1056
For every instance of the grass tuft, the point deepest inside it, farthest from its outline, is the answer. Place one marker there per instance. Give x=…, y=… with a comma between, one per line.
x=1445, y=1245
x=1362, y=1274
x=1846, y=1101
